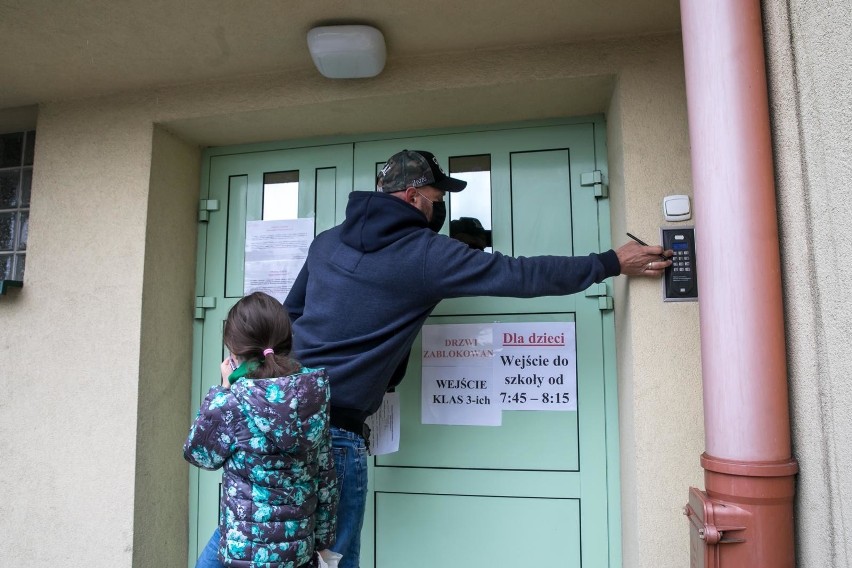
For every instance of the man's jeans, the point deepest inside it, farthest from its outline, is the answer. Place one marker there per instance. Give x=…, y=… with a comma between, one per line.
x=350, y=461
x=209, y=556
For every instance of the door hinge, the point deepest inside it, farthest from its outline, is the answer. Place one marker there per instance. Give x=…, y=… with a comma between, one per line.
x=204, y=208
x=203, y=303
x=595, y=180
x=599, y=291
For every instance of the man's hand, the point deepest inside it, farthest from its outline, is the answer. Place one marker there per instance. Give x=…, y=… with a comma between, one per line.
x=638, y=260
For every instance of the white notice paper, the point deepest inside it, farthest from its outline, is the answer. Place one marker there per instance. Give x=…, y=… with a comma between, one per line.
x=275, y=277
x=535, y=365
x=384, y=426
x=456, y=385
x=274, y=254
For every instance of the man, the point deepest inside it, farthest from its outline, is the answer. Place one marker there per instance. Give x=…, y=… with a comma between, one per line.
x=368, y=285
x=470, y=231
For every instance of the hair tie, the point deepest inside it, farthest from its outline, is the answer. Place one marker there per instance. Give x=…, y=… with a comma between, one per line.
x=268, y=351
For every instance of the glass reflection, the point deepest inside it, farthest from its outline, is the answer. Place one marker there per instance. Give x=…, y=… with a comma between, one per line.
x=9, y=181
x=470, y=210
x=26, y=186
x=24, y=230
x=6, y=267
x=280, y=195
x=29, y=148
x=11, y=150
x=7, y=231
x=470, y=231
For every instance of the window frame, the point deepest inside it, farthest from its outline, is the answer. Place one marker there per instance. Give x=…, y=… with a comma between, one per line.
x=19, y=208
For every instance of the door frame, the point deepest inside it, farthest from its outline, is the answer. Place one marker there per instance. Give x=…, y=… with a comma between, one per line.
x=598, y=123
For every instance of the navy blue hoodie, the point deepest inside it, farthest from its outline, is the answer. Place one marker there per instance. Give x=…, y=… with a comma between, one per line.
x=368, y=285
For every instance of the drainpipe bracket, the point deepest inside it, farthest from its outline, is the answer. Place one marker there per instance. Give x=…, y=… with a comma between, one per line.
x=712, y=521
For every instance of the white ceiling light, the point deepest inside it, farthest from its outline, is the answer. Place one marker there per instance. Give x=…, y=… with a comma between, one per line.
x=347, y=52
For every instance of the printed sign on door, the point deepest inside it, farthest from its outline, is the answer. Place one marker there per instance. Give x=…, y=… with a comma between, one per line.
x=472, y=372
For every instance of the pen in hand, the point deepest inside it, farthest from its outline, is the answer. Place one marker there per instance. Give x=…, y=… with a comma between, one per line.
x=644, y=244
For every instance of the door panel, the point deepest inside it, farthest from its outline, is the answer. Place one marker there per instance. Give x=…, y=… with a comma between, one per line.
x=237, y=202
x=541, y=203
x=537, y=207
x=236, y=181
x=450, y=528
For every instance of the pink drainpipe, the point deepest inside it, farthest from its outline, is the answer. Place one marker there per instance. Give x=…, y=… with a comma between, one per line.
x=745, y=516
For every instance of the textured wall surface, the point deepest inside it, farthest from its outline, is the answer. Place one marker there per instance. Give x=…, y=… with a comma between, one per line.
x=809, y=52
x=659, y=365
x=106, y=290
x=165, y=363
x=70, y=345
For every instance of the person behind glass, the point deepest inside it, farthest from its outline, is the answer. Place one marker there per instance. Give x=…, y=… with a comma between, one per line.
x=268, y=425
x=368, y=285
x=470, y=231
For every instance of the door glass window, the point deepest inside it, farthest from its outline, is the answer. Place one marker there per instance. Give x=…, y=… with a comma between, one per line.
x=470, y=210
x=281, y=195
x=379, y=166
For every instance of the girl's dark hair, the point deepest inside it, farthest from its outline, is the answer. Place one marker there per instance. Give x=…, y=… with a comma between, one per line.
x=257, y=322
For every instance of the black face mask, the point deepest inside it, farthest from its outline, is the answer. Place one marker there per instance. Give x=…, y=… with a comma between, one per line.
x=439, y=215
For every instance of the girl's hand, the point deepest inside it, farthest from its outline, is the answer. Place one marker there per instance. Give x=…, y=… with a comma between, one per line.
x=226, y=372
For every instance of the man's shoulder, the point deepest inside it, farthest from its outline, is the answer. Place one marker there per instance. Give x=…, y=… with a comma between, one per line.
x=332, y=234
x=329, y=232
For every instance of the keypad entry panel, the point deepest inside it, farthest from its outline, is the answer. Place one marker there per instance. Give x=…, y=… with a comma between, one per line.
x=680, y=282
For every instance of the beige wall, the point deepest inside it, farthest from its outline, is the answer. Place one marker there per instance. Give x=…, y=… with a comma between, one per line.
x=160, y=520
x=661, y=414
x=71, y=334
x=18, y=119
x=809, y=52
x=107, y=287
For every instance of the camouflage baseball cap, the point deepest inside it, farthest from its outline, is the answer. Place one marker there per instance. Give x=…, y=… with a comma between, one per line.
x=415, y=168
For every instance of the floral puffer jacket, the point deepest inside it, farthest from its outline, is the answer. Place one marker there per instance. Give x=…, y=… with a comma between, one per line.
x=279, y=488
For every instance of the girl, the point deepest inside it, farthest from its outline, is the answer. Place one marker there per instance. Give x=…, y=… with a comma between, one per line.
x=268, y=425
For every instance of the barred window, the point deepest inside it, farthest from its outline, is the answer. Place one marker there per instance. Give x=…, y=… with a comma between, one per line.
x=16, y=176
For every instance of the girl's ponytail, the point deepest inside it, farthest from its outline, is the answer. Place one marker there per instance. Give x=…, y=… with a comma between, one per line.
x=274, y=364
x=258, y=327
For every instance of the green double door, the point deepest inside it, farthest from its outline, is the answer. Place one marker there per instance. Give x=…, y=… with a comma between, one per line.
x=541, y=489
